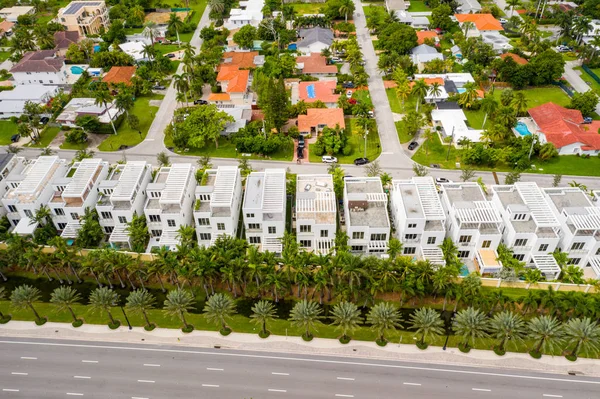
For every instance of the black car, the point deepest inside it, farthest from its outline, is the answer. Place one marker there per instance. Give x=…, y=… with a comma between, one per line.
x=158, y=87
x=435, y=165
x=361, y=161
x=170, y=55
x=413, y=145
x=300, y=152
x=200, y=102
x=348, y=85
x=15, y=137
x=44, y=120
x=301, y=141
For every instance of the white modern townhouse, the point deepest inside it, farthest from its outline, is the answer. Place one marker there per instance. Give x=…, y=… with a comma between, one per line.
x=30, y=189
x=366, y=215
x=315, y=213
x=121, y=196
x=10, y=164
x=530, y=227
x=474, y=225
x=169, y=204
x=264, y=209
x=74, y=193
x=419, y=218
x=580, y=221
x=217, y=206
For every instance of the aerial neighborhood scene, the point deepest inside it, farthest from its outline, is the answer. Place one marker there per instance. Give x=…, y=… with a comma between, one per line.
x=300, y=198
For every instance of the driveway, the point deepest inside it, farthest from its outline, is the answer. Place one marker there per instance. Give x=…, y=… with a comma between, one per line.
x=574, y=78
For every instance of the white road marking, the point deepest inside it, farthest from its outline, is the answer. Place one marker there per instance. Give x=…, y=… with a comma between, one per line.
x=74, y=394
x=137, y=397
x=28, y=358
x=210, y=385
x=148, y=381
x=552, y=396
x=20, y=373
x=82, y=377
x=305, y=360
x=481, y=389
x=213, y=369
x=277, y=390
x=10, y=390
x=345, y=378
x=89, y=361
x=274, y=373
x=341, y=395
x=412, y=383
x=151, y=365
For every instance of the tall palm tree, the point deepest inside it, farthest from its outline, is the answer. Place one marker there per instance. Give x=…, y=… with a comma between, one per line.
x=435, y=90
x=468, y=26
x=346, y=316
x=470, y=324
x=263, y=312
x=218, y=6
x=489, y=105
x=305, y=314
x=64, y=298
x=346, y=7
x=102, y=299
x=182, y=85
x=140, y=301
x=427, y=323
x=469, y=96
x=124, y=101
x=218, y=308
x=507, y=326
x=383, y=317
x=582, y=334
x=520, y=103
x=3, y=318
x=547, y=332
x=175, y=23
x=150, y=31
x=178, y=303
x=420, y=89
x=512, y=4
x=23, y=297
x=102, y=96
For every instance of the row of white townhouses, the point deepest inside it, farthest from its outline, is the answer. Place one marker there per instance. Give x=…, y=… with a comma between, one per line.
x=530, y=220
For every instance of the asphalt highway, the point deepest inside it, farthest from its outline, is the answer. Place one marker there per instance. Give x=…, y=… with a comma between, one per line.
x=35, y=369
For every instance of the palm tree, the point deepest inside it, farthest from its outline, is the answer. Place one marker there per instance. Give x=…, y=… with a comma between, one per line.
x=305, y=314
x=150, y=31
x=140, y=301
x=346, y=7
x=102, y=97
x=469, y=96
x=470, y=324
x=181, y=85
x=262, y=312
x=435, y=90
x=178, y=303
x=3, y=318
x=467, y=26
x=102, y=299
x=420, y=89
x=124, y=101
x=23, y=297
x=520, y=103
x=512, y=4
x=506, y=326
x=427, y=323
x=218, y=308
x=218, y=6
x=582, y=334
x=64, y=298
x=42, y=216
x=175, y=23
x=346, y=316
x=547, y=332
x=489, y=105
x=382, y=317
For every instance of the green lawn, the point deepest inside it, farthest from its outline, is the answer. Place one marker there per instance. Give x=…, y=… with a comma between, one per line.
x=569, y=165
x=475, y=118
x=46, y=137
x=357, y=141
x=7, y=129
x=436, y=154
x=418, y=6
x=396, y=104
x=363, y=96
x=402, y=133
x=307, y=8
x=126, y=135
x=4, y=55
x=71, y=146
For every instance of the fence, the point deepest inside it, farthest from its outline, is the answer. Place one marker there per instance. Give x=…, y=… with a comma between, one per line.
x=591, y=73
x=565, y=88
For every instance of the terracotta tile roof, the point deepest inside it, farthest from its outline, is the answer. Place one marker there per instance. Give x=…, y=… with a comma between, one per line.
x=425, y=34
x=240, y=59
x=517, y=58
x=39, y=61
x=219, y=97
x=481, y=21
x=119, y=75
x=322, y=90
x=316, y=63
x=321, y=116
x=63, y=39
x=430, y=81
x=563, y=126
x=5, y=26
x=237, y=79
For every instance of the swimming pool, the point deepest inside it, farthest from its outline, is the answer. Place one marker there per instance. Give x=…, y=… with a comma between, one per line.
x=461, y=90
x=75, y=70
x=464, y=271
x=292, y=47
x=522, y=129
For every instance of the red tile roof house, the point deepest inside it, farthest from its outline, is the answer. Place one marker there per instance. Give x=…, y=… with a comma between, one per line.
x=316, y=119
x=565, y=129
x=323, y=91
x=118, y=75
x=315, y=65
x=234, y=87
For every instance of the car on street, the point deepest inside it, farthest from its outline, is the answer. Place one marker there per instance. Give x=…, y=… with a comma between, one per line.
x=200, y=102
x=413, y=145
x=300, y=141
x=441, y=180
x=300, y=152
x=328, y=159
x=349, y=94
x=170, y=55
x=361, y=161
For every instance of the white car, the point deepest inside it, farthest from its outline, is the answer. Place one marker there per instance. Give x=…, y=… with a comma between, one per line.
x=503, y=21
x=328, y=159
x=349, y=94
x=441, y=180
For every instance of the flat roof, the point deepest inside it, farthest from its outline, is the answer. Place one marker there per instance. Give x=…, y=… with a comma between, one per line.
x=75, y=6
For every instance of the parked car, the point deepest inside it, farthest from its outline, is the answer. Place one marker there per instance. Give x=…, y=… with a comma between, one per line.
x=158, y=87
x=170, y=55
x=587, y=119
x=349, y=94
x=329, y=159
x=300, y=141
x=563, y=49
x=348, y=85
x=44, y=120
x=300, y=152
x=200, y=102
x=503, y=21
x=371, y=114
x=440, y=180
x=435, y=166
x=413, y=145
x=15, y=137
x=361, y=161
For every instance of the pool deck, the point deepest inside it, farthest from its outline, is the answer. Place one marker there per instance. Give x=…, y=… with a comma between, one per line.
x=74, y=77
x=531, y=126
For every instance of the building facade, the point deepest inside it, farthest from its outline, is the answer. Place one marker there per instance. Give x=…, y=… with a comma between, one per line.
x=315, y=213
x=85, y=17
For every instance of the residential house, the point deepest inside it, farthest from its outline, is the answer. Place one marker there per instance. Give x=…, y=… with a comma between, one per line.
x=264, y=209
x=474, y=225
x=169, y=204
x=366, y=215
x=85, y=17
x=316, y=119
x=135, y=49
x=531, y=228
x=121, y=196
x=315, y=65
x=6, y=28
x=119, y=75
x=433, y=96
x=315, y=213
x=499, y=43
x=414, y=21
x=580, y=226
x=396, y=5
x=75, y=193
x=480, y=23
x=516, y=58
x=241, y=114
x=453, y=121
x=40, y=67
x=64, y=39
x=12, y=102
x=314, y=40
x=565, y=128
x=423, y=35
x=419, y=218
x=87, y=106
x=11, y=14
x=28, y=190
x=323, y=90
x=468, y=6
x=425, y=53
x=217, y=206
x=10, y=164
x=241, y=59
x=248, y=13
x=234, y=84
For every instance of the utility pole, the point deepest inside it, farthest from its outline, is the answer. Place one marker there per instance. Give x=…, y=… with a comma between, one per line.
x=450, y=144
x=533, y=138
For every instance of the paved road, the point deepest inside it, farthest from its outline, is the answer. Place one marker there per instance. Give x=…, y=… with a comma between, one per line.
x=63, y=369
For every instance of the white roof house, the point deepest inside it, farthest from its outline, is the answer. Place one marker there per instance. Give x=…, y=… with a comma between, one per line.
x=248, y=13
x=135, y=49
x=453, y=123
x=315, y=212
x=13, y=13
x=425, y=53
x=87, y=106
x=468, y=6
x=12, y=102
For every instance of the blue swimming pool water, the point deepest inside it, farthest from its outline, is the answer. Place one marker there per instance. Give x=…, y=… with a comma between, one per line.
x=292, y=47
x=464, y=271
x=75, y=70
x=461, y=90
x=96, y=48
x=522, y=129
x=310, y=91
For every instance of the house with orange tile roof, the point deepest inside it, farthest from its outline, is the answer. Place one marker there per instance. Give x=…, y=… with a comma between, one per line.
x=323, y=90
x=426, y=34
x=481, y=23
x=118, y=74
x=5, y=27
x=315, y=65
x=240, y=59
x=517, y=58
x=565, y=128
x=234, y=86
x=316, y=119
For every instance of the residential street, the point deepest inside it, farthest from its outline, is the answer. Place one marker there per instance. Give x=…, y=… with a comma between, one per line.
x=61, y=368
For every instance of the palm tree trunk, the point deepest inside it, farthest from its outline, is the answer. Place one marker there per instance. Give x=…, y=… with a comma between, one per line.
x=120, y=279
x=4, y=277
x=79, y=280
x=456, y=305
x=37, y=316
x=539, y=346
x=264, y=327
x=182, y=315
x=146, y=318
x=162, y=285
x=58, y=276
x=110, y=317
x=109, y=117
x=445, y=301
x=96, y=278
x=72, y=313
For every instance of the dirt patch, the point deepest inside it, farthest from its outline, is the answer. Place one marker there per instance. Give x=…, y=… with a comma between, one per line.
x=163, y=17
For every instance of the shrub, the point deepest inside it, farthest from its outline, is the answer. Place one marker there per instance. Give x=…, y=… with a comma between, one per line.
x=344, y=339
x=151, y=327
x=422, y=345
x=464, y=348
x=225, y=331
x=307, y=338
x=188, y=329
x=265, y=334
x=77, y=323
x=115, y=325
x=5, y=319
x=381, y=342
x=76, y=136
x=535, y=354
x=499, y=351
x=41, y=321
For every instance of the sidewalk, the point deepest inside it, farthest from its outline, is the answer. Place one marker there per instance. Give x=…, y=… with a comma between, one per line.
x=318, y=346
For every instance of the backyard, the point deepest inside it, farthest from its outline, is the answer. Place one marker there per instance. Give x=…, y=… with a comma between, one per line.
x=431, y=152
x=306, y=8
x=418, y=6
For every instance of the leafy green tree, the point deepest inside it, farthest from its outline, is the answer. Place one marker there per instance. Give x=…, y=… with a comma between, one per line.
x=383, y=317
x=347, y=317
x=178, y=303
x=507, y=326
x=263, y=312
x=583, y=335
x=103, y=299
x=138, y=233
x=470, y=324
x=64, y=298
x=440, y=17
x=547, y=332
x=427, y=323
x=585, y=102
x=90, y=234
x=397, y=38
x=204, y=124
x=89, y=123
x=141, y=301
x=218, y=308
x=305, y=314
x=245, y=37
